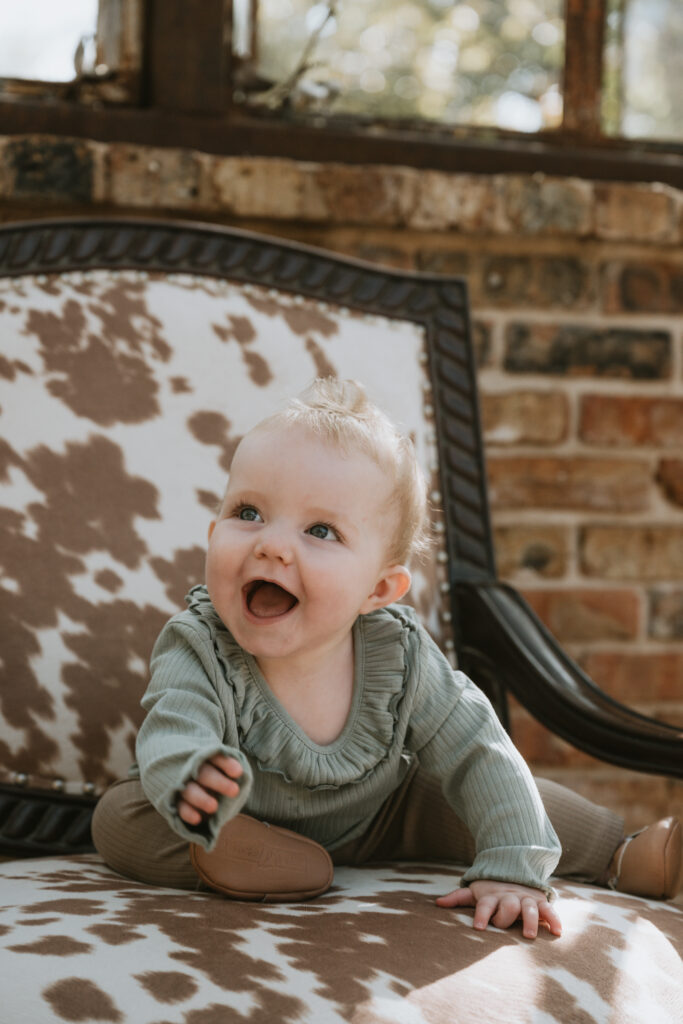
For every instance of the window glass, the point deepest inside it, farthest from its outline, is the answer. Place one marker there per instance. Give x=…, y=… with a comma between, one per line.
x=39, y=39
x=481, y=62
x=643, y=88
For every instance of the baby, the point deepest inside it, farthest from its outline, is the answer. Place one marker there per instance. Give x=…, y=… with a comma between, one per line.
x=299, y=717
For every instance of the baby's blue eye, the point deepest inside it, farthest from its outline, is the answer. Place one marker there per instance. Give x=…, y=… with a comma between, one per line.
x=249, y=514
x=323, y=532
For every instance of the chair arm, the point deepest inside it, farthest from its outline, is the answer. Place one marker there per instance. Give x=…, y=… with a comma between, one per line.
x=43, y=824
x=494, y=619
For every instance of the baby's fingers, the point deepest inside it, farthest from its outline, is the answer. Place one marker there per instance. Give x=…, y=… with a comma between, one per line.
x=530, y=915
x=212, y=778
x=548, y=914
x=510, y=907
x=464, y=897
x=196, y=797
x=534, y=912
x=484, y=911
x=458, y=898
x=189, y=814
x=230, y=766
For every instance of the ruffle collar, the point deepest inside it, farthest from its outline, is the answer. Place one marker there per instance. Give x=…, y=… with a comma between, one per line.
x=269, y=734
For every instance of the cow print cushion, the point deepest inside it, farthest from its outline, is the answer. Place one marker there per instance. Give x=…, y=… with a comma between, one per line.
x=78, y=943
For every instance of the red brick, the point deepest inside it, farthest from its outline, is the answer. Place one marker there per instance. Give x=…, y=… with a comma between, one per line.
x=465, y=202
x=548, y=206
x=574, y=615
x=578, y=350
x=147, y=176
x=670, y=479
x=639, y=212
x=538, y=282
x=525, y=417
x=632, y=552
x=633, y=677
x=654, y=287
x=571, y=483
x=631, y=420
x=666, y=614
x=362, y=194
x=522, y=551
x=244, y=187
x=48, y=167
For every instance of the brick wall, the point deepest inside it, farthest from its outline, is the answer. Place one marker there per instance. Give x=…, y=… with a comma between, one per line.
x=576, y=289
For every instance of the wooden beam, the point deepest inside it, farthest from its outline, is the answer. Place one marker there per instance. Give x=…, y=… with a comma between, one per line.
x=188, y=56
x=351, y=144
x=583, y=69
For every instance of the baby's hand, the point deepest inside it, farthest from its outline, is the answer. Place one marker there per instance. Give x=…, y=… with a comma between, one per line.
x=503, y=903
x=217, y=775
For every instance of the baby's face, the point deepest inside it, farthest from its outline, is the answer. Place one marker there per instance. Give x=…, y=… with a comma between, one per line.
x=300, y=545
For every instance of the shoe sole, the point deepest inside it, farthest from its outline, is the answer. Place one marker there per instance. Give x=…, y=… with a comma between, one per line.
x=255, y=861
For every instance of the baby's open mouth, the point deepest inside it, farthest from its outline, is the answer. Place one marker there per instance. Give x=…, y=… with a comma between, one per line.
x=267, y=600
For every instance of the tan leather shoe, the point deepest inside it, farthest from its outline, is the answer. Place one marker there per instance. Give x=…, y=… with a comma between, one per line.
x=256, y=861
x=650, y=862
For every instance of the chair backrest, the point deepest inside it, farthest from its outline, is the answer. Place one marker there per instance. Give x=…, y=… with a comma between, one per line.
x=133, y=357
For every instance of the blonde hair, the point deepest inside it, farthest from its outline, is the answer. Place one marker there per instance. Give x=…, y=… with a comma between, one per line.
x=341, y=412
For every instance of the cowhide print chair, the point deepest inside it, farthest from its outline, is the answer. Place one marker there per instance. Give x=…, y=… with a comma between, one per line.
x=133, y=357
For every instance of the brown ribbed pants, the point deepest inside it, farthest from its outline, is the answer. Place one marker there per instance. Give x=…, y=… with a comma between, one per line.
x=415, y=823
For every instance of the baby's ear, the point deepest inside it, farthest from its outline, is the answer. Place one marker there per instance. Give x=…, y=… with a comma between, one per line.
x=391, y=586
x=212, y=525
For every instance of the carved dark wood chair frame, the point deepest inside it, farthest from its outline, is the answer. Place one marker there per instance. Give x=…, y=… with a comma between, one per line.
x=499, y=640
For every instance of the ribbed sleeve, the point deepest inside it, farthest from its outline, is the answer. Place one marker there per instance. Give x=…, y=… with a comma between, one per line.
x=459, y=738
x=186, y=724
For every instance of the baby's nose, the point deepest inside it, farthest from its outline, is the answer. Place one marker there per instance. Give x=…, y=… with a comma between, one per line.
x=274, y=544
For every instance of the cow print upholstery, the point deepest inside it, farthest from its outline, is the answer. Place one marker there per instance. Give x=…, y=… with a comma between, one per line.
x=78, y=943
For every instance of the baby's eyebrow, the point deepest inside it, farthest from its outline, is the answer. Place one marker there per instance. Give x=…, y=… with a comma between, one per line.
x=332, y=515
x=245, y=495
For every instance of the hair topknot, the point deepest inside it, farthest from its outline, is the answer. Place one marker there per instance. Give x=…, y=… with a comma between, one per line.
x=329, y=401
x=340, y=411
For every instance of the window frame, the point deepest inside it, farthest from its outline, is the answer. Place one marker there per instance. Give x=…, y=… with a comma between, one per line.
x=194, y=110
x=118, y=63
